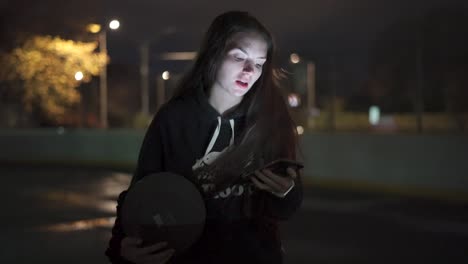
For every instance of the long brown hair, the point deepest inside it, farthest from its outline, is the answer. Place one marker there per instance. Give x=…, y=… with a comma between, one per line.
x=270, y=132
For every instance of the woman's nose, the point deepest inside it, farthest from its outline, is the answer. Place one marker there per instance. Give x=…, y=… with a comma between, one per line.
x=248, y=67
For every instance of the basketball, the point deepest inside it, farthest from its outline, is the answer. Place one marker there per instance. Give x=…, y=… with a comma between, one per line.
x=164, y=207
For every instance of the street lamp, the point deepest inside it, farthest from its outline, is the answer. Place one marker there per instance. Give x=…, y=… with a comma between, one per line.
x=294, y=100
x=294, y=58
x=166, y=75
x=79, y=76
x=102, y=38
x=114, y=24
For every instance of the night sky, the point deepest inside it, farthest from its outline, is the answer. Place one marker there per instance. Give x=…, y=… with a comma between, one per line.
x=320, y=31
x=307, y=27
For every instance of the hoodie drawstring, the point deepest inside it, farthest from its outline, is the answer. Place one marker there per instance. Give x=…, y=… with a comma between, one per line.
x=216, y=134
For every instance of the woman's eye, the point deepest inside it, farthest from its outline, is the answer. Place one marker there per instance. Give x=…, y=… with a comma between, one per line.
x=259, y=66
x=238, y=58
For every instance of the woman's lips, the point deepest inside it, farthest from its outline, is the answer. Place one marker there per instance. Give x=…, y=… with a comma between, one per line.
x=242, y=85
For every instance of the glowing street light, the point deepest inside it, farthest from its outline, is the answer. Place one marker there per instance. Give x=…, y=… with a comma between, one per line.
x=294, y=100
x=114, y=24
x=166, y=75
x=93, y=28
x=294, y=58
x=79, y=76
x=300, y=130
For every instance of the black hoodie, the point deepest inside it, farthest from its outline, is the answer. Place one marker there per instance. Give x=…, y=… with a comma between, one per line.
x=184, y=135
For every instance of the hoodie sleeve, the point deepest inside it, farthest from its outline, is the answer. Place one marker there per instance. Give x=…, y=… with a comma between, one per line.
x=283, y=208
x=150, y=160
x=113, y=250
x=151, y=157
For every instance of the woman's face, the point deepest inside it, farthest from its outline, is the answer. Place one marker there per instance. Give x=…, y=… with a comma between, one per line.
x=242, y=64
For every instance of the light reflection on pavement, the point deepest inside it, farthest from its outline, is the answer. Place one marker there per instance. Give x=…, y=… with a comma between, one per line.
x=79, y=225
x=57, y=215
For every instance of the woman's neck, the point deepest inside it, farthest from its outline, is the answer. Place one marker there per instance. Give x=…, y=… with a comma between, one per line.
x=222, y=101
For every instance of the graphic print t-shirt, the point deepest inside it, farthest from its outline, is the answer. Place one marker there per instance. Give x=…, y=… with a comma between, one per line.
x=228, y=199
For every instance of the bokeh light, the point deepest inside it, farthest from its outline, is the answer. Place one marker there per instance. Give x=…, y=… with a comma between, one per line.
x=79, y=76
x=114, y=24
x=294, y=57
x=166, y=75
x=294, y=100
x=300, y=130
x=374, y=115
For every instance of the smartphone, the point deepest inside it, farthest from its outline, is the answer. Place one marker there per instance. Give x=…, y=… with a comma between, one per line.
x=280, y=166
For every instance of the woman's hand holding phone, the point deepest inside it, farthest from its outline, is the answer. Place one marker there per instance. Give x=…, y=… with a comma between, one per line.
x=276, y=184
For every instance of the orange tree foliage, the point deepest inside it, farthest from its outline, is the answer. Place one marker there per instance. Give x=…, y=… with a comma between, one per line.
x=46, y=67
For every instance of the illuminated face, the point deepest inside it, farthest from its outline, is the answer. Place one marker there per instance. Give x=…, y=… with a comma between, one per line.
x=242, y=64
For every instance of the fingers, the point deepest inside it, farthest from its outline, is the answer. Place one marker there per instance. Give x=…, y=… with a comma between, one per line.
x=259, y=184
x=268, y=181
x=131, y=250
x=160, y=257
x=268, y=178
x=300, y=172
x=291, y=173
x=152, y=248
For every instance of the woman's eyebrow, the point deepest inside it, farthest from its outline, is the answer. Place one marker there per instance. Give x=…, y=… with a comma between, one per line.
x=244, y=51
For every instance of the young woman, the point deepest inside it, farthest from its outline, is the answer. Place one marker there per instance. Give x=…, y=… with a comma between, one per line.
x=227, y=118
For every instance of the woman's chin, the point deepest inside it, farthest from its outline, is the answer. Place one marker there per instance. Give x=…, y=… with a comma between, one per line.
x=240, y=91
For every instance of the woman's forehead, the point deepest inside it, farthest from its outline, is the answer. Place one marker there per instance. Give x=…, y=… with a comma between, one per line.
x=248, y=41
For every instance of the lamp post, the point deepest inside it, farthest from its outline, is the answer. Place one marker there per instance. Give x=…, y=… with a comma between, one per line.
x=309, y=81
x=102, y=38
x=161, y=89
x=144, y=71
x=103, y=82
x=304, y=88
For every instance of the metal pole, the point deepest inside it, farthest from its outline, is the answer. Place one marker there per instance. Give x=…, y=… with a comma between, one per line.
x=103, y=81
x=419, y=101
x=160, y=92
x=144, y=53
x=333, y=83
x=310, y=86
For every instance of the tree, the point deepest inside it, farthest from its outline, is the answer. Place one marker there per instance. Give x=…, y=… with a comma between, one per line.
x=46, y=67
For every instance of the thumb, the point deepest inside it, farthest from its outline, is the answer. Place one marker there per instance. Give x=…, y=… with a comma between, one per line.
x=292, y=173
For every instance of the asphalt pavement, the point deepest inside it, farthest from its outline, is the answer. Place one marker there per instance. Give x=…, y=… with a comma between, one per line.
x=64, y=215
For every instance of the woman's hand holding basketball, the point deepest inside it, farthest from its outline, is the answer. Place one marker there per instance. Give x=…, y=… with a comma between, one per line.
x=157, y=253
